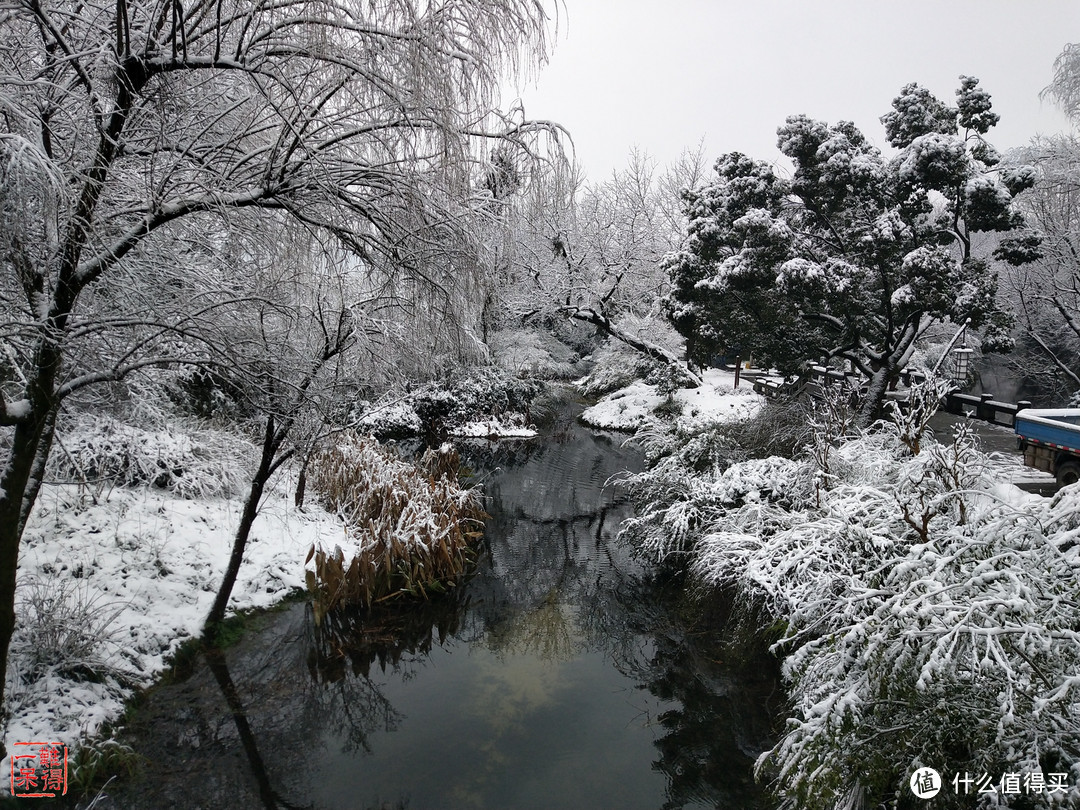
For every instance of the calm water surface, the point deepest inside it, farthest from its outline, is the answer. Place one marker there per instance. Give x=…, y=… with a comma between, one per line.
x=562, y=675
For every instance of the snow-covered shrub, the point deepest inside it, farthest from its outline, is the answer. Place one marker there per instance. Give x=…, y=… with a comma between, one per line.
x=781, y=427
x=389, y=418
x=928, y=622
x=491, y=391
x=667, y=379
x=691, y=483
x=409, y=527
x=616, y=364
x=534, y=353
x=63, y=631
x=677, y=510
x=106, y=452
x=960, y=654
x=437, y=408
x=912, y=418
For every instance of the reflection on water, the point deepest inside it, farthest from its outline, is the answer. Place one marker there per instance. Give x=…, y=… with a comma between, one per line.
x=560, y=675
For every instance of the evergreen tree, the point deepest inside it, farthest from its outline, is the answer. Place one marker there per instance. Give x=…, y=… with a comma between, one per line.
x=856, y=254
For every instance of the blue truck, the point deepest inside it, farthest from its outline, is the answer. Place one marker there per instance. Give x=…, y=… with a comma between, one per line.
x=1050, y=441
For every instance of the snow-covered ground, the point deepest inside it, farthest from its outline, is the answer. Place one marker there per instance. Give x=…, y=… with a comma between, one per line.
x=717, y=400
x=495, y=428
x=145, y=564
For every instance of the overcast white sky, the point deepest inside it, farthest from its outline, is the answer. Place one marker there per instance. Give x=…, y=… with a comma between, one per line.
x=662, y=74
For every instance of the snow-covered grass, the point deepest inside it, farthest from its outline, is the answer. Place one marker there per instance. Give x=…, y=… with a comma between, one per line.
x=111, y=582
x=101, y=452
x=929, y=615
x=717, y=400
x=629, y=408
x=411, y=527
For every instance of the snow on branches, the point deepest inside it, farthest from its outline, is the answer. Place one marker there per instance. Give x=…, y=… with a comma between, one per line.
x=928, y=619
x=857, y=253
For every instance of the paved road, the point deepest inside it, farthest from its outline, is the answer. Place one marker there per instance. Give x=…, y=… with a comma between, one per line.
x=995, y=438
x=1000, y=443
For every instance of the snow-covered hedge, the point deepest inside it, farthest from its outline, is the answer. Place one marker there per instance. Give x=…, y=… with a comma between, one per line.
x=479, y=395
x=932, y=617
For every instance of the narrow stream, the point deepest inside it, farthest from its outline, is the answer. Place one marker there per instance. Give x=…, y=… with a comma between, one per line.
x=562, y=675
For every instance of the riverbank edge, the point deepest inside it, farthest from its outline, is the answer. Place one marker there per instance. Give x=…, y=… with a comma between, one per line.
x=139, y=567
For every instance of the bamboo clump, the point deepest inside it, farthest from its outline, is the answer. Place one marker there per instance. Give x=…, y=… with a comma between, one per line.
x=410, y=526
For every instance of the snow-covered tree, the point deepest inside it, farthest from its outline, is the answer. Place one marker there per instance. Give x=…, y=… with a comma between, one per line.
x=286, y=345
x=1045, y=294
x=129, y=126
x=590, y=251
x=857, y=253
x=1064, y=88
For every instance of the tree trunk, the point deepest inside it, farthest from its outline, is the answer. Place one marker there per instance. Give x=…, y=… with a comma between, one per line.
x=9, y=559
x=872, y=406
x=20, y=482
x=271, y=442
x=19, y=488
x=887, y=372
x=651, y=350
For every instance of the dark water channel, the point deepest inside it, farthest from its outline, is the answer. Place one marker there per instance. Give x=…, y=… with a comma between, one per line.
x=560, y=676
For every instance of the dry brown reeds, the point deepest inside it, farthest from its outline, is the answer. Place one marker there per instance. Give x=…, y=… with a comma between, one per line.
x=410, y=525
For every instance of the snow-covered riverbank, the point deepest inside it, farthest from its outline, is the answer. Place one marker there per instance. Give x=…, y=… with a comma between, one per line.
x=112, y=579
x=716, y=400
x=137, y=570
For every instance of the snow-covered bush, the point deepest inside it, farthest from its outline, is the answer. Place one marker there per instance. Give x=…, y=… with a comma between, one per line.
x=779, y=428
x=63, y=631
x=389, y=418
x=677, y=510
x=691, y=483
x=105, y=452
x=480, y=392
x=409, y=527
x=616, y=364
x=960, y=653
x=437, y=408
x=928, y=621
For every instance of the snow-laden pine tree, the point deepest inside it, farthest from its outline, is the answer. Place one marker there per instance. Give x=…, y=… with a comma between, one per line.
x=857, y=253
